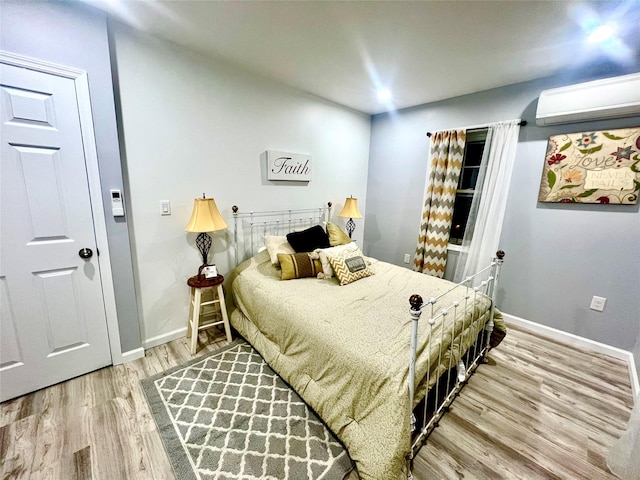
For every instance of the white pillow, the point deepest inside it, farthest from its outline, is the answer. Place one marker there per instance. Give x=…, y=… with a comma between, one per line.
x=326, y=266
x=275, y=245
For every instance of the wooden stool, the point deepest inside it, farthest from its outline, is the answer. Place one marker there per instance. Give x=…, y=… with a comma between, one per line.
x=198, y=284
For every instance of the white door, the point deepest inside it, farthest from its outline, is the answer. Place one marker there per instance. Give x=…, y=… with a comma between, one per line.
x=53, y=322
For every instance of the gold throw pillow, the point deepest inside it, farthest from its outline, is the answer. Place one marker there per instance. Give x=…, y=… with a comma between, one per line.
x=336, y=235
x=299, y=265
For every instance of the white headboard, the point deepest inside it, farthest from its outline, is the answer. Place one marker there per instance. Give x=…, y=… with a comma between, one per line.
x=249, y=228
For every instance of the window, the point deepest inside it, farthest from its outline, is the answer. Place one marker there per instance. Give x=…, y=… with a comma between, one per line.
x=467, y=183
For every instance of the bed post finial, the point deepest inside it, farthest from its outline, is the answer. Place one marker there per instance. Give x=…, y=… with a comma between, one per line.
x=415, y=301
x=235, y=209
x=500, y=254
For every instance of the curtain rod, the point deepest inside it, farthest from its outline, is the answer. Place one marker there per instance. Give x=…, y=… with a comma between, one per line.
x=474, y=127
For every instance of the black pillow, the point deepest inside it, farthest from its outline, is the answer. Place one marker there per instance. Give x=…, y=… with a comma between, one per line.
x=309, y=239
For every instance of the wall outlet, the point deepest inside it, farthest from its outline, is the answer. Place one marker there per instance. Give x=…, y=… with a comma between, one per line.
x=597, y=303
x=407, y=258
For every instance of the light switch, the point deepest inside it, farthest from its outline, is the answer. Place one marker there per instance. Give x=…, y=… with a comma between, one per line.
x=165, y=207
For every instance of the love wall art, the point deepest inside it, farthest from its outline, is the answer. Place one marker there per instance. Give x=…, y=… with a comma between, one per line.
x=592, y=167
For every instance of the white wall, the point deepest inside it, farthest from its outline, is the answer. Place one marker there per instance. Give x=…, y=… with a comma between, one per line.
x=191, y=125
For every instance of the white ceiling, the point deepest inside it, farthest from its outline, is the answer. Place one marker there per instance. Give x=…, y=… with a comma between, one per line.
x=423, y=51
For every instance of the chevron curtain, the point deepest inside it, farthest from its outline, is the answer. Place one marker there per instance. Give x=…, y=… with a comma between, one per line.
x=447, y=151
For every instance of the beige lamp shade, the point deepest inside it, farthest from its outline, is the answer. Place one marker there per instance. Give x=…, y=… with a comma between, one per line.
x=350, y=209
x=205, y=217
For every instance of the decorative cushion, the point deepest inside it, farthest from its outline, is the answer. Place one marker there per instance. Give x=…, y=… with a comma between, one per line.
x=299, y=265
x=324, y=252
x=308, y=240
x=337, y=235
x=350, y=266
x=275, y=245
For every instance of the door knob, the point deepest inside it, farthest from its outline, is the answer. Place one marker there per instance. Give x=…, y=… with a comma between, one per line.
x=85, y=253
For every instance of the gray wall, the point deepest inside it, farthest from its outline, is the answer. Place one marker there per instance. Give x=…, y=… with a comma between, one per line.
x=558, y=255
x=204, y=128
x=74, y=36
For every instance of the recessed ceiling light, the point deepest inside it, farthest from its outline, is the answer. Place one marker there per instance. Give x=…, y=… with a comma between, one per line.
x=602, y=34
x=384, y=94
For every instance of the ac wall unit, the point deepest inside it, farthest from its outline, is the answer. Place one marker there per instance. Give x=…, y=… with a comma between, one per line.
x=608, y=98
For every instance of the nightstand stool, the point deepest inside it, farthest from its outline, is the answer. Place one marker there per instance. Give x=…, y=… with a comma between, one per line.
x=198, y=284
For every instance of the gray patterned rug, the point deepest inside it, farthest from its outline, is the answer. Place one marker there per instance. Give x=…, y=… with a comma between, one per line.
x=227, y=415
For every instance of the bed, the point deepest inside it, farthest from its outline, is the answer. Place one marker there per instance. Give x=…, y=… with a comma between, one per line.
x=359, y=354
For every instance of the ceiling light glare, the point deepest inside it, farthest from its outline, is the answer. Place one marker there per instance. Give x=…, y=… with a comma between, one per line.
x=601, y=34
x=384, y=94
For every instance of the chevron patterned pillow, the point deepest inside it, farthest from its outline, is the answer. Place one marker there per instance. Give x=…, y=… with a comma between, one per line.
x=349, y=266
x=325, y=252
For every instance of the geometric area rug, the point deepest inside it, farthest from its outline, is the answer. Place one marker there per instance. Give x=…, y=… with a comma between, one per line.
x=228, y=415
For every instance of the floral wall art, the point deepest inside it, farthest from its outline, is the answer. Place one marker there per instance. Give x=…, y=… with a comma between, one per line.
x=592, y=167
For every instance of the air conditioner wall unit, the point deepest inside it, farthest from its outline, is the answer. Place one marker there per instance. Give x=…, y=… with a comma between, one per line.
x=601, y=99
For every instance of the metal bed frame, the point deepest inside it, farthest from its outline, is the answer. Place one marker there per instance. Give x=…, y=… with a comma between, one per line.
x=271, y=222
x=253, y=226
x=471, y=287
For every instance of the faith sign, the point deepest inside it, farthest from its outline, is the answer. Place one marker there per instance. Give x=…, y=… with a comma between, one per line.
x=294, y=167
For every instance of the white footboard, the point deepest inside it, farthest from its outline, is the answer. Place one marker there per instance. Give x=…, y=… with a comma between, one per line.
x=445, y=390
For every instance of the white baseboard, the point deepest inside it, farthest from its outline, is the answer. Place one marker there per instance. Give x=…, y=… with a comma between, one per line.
x=580, y=342
x=131, y=355
x=567, y=338
x=164, y=338
x=635, y=378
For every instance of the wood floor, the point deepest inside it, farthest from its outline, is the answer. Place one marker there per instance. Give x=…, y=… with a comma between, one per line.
x=538, y=410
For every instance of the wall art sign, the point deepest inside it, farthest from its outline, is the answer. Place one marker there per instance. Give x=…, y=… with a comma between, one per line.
x=592, y=167
x=294, y=167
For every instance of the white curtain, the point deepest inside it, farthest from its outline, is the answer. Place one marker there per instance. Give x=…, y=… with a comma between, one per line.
x=624, y=457
x=489, y=203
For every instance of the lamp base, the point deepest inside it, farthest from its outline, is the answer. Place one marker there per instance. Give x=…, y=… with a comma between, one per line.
x=203, y=242
x=351, y=226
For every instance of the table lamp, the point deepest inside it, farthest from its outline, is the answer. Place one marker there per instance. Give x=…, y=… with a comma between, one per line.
x=205, y=218
x=350, y=211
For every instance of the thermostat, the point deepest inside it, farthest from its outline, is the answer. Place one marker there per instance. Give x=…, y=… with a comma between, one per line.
x=117, y=207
